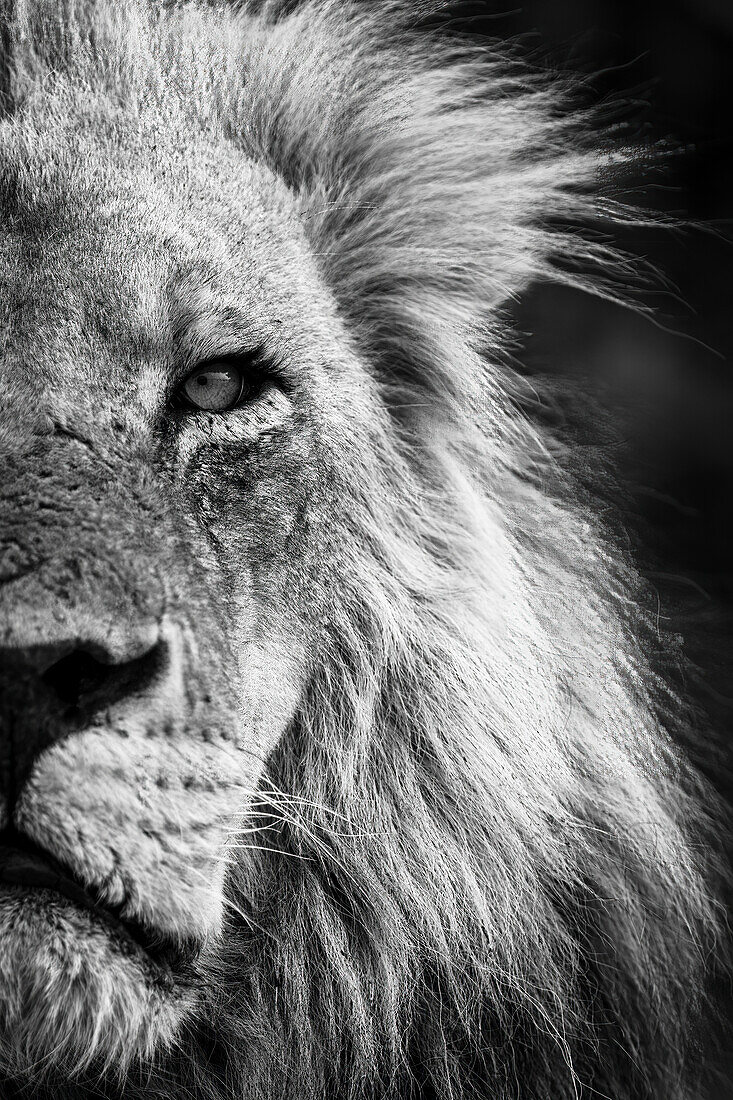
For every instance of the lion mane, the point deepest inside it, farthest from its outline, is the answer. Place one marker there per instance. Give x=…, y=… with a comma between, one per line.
x=484, y=867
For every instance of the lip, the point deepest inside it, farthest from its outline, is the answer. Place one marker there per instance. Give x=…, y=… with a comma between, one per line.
x=24, y=864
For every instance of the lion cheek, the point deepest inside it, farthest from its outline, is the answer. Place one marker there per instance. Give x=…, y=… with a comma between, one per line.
x=272, y=667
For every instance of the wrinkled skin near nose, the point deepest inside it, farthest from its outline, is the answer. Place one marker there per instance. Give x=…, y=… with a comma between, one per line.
x=81, y=597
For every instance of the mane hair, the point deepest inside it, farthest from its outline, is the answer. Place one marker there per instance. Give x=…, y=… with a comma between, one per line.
x=492, y=872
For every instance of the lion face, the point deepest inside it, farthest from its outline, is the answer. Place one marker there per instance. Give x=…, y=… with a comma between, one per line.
x=153, y=553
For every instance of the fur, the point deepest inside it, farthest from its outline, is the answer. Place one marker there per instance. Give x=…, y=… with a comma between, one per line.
x=484, y=869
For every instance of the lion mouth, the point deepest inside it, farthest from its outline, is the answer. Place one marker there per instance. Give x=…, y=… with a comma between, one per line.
x=24, y=864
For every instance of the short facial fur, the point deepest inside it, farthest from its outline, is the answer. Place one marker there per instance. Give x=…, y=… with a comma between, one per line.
x=389, y=778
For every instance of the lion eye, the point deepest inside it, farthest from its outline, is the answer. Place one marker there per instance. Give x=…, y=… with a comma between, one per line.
x=216, y=387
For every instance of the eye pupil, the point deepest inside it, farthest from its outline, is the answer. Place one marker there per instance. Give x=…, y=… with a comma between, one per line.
x=215, y=387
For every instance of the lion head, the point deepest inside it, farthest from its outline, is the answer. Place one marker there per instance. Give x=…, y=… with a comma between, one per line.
x=331, y=761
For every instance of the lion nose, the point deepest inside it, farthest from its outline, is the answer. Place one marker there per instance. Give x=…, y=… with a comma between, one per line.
x=52, y=685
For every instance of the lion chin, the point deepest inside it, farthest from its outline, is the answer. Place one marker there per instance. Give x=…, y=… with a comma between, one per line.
x=77, y=990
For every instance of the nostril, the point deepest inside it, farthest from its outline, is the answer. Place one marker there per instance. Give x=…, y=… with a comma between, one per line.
x=85, y=684
x=76, y=675
x=53, y=687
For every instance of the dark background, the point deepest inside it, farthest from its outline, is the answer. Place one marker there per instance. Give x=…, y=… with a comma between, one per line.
x=664, y=72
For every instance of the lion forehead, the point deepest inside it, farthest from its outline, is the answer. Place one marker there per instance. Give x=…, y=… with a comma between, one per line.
x=91, y=251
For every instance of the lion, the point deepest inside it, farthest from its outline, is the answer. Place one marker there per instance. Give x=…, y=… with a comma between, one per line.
x=335, y=760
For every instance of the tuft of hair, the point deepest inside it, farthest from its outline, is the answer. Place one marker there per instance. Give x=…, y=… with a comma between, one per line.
x=492, y=873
